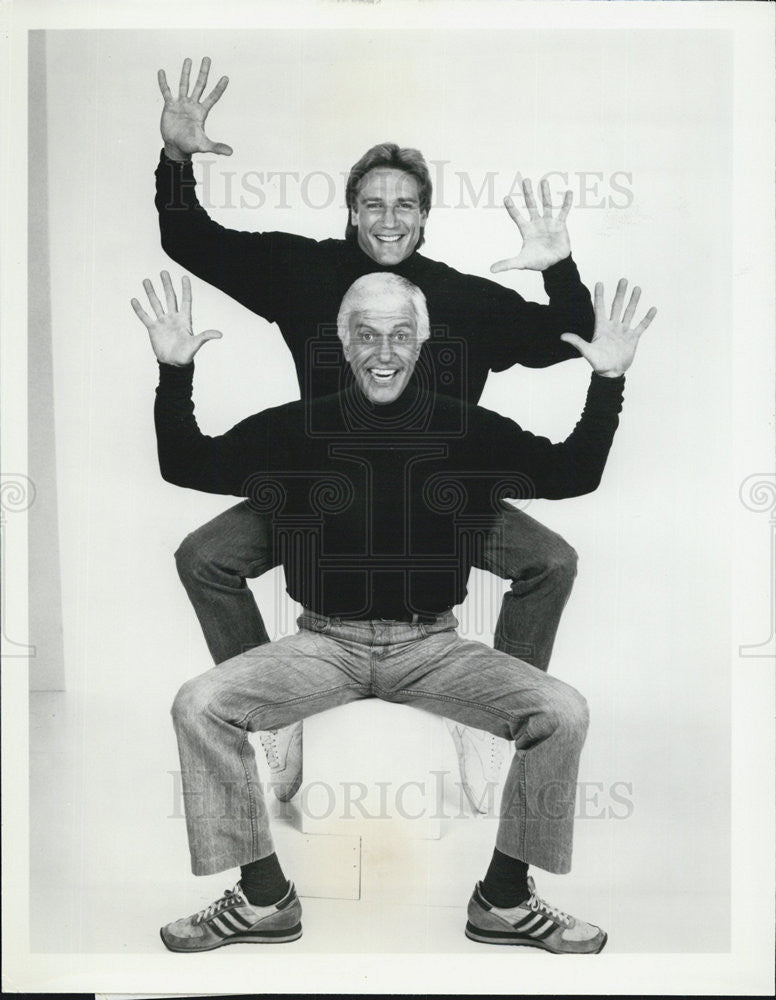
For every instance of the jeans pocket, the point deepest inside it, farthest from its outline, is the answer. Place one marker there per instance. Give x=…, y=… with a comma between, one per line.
x=312, y=623
x=446, y=623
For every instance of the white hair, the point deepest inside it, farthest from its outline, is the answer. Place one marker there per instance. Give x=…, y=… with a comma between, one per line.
x=379, y=282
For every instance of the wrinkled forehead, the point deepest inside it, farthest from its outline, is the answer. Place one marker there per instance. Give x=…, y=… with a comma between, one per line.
x=384, y=309
x=382, y=182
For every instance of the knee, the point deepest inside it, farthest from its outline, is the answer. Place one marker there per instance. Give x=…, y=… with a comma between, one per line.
x=189, y=704
x=552, y=561
x=560, y=713
x=571, y=712
x=561, y=563
x=563, y=713
x=191, y=557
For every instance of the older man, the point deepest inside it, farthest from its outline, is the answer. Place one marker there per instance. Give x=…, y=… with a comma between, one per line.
x=298, y=283
x=379, y=496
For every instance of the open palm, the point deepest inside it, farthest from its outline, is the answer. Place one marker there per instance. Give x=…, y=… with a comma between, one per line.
x=184, y=115
x=612, y=349
x=172, y=337
x=545, y=237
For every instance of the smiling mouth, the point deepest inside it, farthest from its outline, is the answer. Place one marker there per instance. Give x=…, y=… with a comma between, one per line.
x=383, y=375
x=389, y=239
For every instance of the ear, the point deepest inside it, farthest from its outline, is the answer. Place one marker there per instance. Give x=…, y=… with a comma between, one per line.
x=345, y=351
x=354, y=216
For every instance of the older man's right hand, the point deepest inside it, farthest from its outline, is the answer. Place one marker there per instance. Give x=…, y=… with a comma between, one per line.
x=183, y=116
x=172, y=338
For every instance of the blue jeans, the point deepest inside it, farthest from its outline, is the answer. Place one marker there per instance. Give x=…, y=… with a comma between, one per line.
x=215, y=560
x=331, y=662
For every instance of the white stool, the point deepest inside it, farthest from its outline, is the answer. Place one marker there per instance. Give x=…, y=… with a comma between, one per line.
x=370, y=765
x=380, y=815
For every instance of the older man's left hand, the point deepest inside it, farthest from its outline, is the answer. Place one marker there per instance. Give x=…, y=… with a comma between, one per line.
x=611, y=351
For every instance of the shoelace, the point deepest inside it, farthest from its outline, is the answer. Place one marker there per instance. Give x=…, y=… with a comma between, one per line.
x=495, y=749
x=539, y=905
x=496, y=754
x=216, y=907
x=269, y=742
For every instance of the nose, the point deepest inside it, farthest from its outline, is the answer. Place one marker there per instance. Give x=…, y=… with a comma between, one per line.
x=384, y=348
x=389, y=216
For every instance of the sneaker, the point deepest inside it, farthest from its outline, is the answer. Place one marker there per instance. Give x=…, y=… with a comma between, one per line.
x=283, y=750
x=480, y=758
x=233, y=920
x=534, y=923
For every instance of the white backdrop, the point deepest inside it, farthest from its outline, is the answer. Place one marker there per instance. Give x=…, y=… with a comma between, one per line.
x=641, y=123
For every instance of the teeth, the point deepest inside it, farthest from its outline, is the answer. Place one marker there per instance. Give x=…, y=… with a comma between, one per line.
x=382, y=373
x=390, y=239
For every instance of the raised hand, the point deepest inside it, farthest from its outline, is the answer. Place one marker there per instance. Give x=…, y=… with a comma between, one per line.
x=183, y=117
x=614, y=342
x=171, y=334
x=545, y=238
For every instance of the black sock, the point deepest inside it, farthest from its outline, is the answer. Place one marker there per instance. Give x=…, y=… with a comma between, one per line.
x=263, y=881
x=506, y=881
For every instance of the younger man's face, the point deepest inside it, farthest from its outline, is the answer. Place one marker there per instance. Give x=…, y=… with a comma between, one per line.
x=387, y=215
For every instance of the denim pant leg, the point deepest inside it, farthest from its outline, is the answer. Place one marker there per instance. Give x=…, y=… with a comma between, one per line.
x=546, y=718
x=267, y=687
x=542, y=567
x=213, y=563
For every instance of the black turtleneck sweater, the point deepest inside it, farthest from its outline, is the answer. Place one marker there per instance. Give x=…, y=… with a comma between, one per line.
x=378, y=511
x=477, y=325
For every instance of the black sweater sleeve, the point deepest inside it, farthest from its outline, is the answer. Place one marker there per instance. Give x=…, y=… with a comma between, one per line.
x=226, y=464
x=253, y=268
x=528, y=333
x=569, y=468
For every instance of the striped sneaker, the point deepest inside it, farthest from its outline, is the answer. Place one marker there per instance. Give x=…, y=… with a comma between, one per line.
x=233, y=920
x=534, y=923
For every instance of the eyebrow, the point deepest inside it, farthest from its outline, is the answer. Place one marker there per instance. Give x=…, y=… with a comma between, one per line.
x=375, y=200
x=401, y=325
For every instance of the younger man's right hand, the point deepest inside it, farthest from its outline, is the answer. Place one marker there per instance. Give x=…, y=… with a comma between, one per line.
x=183, y=116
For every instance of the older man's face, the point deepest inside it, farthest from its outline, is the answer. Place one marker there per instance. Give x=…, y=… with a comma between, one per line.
x=383, y=346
